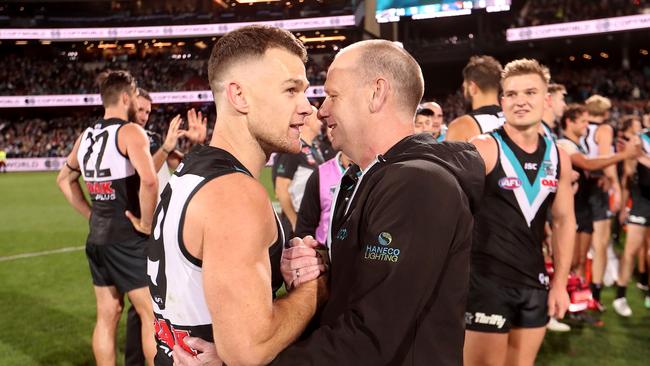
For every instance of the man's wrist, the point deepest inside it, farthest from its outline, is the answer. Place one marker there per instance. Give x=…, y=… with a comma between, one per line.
x=166, y=151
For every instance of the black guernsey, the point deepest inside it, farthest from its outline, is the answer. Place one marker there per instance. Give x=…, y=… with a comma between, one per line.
x=112, y=184
x=641, y=180
x=509, y=226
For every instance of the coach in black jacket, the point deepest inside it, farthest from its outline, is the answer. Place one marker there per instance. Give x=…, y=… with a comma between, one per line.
x=401, y=230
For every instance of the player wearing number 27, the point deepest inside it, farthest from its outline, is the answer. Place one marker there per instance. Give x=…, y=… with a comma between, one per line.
x=113, y=158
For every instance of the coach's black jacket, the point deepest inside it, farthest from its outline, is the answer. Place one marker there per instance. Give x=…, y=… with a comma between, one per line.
x=400, y=261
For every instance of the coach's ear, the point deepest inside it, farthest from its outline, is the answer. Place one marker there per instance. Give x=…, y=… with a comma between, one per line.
x=380, y=90
x=236, y=98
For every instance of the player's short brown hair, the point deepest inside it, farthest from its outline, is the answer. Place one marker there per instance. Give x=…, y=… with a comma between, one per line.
x=112, y=83
x=572, y=112
x=249, y=42
x=484, y=71
x=555, y=88
x=145, y=94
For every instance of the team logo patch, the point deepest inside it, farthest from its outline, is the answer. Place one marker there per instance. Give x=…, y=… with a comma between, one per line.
x=548, y=168
x=509, y=183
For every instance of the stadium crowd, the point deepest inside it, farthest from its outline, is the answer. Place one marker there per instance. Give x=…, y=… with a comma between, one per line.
x=167, y=12
x=29, y=76
x=540, y=12
x=629, y=91
x=55, y=137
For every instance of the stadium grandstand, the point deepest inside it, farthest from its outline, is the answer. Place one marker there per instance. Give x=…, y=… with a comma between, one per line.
x=54, y=51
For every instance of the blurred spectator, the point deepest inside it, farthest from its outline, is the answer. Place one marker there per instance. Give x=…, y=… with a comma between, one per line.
x=40, y=137
x=29, y=76
x=163, y=12
x=540, y=12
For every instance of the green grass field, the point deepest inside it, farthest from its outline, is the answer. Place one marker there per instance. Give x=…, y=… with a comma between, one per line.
x=47, y=305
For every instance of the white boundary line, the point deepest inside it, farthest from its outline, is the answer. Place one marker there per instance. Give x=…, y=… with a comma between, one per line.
x=40, y=254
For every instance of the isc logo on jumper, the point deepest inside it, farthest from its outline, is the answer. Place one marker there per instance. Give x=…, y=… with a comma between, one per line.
x=509, y=183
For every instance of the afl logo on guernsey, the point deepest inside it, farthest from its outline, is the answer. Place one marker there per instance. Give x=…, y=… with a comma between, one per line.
x=509, y=183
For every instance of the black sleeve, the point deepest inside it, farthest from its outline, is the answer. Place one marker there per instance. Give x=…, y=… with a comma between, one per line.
x=286, y=165
x=310, y=211
x=418, y=212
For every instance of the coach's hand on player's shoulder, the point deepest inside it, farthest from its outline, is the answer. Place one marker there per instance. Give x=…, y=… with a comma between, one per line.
x=207, y=353
x=558, y=301
x=301, y=262
x=138, y=224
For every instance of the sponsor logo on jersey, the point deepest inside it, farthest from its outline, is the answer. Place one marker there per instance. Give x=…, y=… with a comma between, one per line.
x=481, y=318
x=102, y=191
x=552, y=183
x=168, y=336
x=530, y=166
x=543, y=279
x=509, y=183
x=383, y=251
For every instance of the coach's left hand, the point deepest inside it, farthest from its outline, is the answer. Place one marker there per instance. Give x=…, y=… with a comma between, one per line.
x=207, y=353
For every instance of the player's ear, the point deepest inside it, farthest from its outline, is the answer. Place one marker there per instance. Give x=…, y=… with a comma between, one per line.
x=473, y=88
x=235, y=96
x=125, y=98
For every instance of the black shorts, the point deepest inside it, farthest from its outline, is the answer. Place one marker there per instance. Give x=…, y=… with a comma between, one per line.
x=584, y=217
x=640, y=211
x=121, y=265
x=493, y=308
x=599, y=202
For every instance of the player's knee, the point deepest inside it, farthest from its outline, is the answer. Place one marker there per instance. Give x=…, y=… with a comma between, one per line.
x=110, y=312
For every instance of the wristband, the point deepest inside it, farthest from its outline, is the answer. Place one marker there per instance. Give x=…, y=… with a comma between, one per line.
x=71, y=168
x=166, y=151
